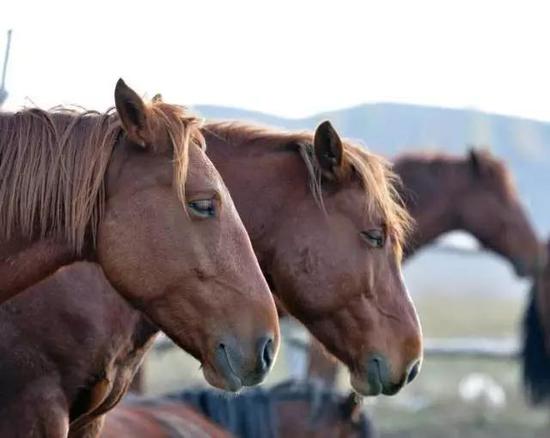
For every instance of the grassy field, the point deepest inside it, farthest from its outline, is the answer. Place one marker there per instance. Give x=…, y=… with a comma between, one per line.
x=432, y=406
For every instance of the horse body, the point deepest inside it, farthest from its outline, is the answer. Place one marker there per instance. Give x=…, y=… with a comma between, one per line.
x=72, y=336
x=164, y=419
x=289, y=409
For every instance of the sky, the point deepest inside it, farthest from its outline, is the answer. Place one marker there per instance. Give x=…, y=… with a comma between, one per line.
x=289, y=58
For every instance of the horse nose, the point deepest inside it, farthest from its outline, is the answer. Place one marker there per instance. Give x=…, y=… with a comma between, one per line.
x=250, y=365
x=380, y=379
x=266, y=354
x=413, y=371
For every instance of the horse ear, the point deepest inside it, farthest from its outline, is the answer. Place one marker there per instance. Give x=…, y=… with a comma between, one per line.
x=133, y=114
x=328, y=149
x=476, y=161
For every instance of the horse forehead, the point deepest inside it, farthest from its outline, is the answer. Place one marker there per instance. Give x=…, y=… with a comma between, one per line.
x=201, y=170
x=353, y=202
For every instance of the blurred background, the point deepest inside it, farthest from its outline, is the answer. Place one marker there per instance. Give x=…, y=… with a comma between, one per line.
x=397, y=76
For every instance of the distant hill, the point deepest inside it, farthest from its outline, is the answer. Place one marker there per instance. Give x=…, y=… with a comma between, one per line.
x=394, y=128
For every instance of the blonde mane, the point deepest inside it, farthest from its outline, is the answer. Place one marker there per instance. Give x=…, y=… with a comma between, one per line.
x=53, y=164
x=373, y=171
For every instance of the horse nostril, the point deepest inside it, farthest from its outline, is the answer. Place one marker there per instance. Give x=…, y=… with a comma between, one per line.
x=415, y=369
x=377, y=374
x=266, y=353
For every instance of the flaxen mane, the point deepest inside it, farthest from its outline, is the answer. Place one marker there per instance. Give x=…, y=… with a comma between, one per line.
x=53, y=164
x=374, y=172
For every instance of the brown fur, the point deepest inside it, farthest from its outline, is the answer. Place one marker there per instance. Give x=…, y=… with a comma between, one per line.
x=71, y=336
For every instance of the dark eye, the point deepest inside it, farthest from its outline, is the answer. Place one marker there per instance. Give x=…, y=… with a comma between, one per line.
x=203, y=208
x=375, y=238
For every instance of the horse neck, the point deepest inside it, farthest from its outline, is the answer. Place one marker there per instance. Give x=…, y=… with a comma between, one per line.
x=24, y=263
x=25, y=256
x=261, y=180
x=432, y=198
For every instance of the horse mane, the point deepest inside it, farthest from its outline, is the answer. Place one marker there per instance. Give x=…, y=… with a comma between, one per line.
x=53, y=165
x=374, y=172
x=252, y=414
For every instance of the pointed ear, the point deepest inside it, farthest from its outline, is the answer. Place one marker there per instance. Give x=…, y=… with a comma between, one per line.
x=157, y=98
x=478, y=162
x=133, y=114
x=328, y=149
x=474, y=159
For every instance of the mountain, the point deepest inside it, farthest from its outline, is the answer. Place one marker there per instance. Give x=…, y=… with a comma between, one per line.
x=390, y=129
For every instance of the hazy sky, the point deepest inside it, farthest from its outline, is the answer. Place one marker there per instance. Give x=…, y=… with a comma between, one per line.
x=291, y=58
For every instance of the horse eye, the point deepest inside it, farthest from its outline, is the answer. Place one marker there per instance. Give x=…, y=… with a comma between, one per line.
x=203, y=208
x=375, y=238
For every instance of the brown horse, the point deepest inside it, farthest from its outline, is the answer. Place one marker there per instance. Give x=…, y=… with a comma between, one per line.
x=162, y=419
x=134, y=191
x=536, y=339
x=327, y=226
x=475, y=194
x=287, y=410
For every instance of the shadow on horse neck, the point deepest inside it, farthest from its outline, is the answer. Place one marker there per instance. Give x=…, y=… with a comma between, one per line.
x=327, y=225
x=473, y=193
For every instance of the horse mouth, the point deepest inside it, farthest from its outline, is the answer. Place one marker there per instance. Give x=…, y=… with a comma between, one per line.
x=374, y=381
x=369, y=387
x=221, y=373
